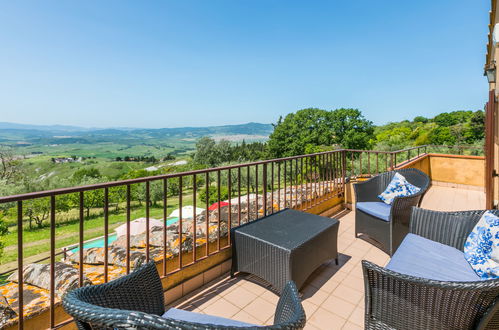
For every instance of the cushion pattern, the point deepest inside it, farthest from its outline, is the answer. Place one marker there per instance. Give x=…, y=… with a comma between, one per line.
x=187, y=316
x=377, y=209
x=398, y=187
x=421, y=257
x=480, y=249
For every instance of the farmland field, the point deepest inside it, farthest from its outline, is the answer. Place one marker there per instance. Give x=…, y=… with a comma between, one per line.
x=51, y=156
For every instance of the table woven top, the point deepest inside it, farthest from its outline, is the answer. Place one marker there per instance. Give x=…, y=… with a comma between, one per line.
x=287, y=228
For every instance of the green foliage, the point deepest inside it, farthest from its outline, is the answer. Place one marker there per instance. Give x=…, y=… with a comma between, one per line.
x=311, y=127
x=350, y=129
x=442, y=135
x=10, y=166
x=447, y=119
x=248, y=151
x=3, y=231
x=476, y=127
x=80, y=174
x=213, y=194
x=37, y=211
x=420, y=119
x=209, y=153
x=448, y=128
x=91, y=198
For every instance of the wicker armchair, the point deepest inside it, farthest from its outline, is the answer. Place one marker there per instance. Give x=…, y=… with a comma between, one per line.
x=399, y=301
x=136, y=301
x=391, y=230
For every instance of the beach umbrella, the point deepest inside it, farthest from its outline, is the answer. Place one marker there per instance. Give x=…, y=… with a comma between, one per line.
x=214, y=206
x=187, y=212
x=138, y=226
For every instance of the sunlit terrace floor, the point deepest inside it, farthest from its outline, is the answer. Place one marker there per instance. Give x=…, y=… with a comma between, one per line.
x=333, y=297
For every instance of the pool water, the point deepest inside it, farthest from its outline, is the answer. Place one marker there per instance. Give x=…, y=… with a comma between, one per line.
x=99, y=242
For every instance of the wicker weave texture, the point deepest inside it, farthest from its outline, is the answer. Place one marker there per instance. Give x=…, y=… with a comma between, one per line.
x=449, y=228
x=399, y=301
x=388, y=233
x=135, y=301
x=291, y=257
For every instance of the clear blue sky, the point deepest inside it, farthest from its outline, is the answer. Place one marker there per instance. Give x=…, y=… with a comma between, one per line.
x=198, y=63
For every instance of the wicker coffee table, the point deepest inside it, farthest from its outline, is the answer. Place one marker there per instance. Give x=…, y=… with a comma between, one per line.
x=287, y=245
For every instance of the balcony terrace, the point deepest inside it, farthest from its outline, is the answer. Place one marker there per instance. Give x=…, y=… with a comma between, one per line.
x=193, y=254
x=333, y=297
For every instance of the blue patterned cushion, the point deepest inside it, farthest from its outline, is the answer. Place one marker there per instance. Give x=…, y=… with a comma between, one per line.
x=398, y=187
x=481, y=249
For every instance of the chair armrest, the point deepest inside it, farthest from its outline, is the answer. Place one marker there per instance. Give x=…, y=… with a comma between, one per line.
x=367, y=191
x=399, y=301
x=449, y=228
x=289, y=311
x=402, y=208
x=114, y=318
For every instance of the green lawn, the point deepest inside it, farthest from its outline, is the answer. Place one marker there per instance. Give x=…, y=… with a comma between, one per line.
x=37, y=240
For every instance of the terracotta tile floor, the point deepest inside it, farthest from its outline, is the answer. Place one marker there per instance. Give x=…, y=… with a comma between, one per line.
x=333, y=296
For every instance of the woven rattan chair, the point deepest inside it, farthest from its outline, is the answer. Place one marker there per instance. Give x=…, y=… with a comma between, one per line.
x=136, y=301
x=389, y=225
x=401, y=301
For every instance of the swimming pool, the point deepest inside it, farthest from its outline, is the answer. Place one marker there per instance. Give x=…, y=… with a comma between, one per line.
x=99, y=242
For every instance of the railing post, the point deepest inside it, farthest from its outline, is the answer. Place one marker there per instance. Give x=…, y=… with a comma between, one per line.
x=20, y=281
x=264, y=182
x=391, y=161
x=344, y=170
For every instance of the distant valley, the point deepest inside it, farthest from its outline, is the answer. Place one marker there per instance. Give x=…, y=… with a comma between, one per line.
x=59, y=140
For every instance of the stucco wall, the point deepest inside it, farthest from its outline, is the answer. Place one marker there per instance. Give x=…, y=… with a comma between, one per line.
x=468, y=170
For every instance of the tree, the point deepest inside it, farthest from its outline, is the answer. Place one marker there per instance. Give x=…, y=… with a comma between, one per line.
x=37, y=210
x=10, y=166
x=395, y=138
x=315, y=127
x=442, y=135
x=351, y=129
x=206, y=152
x=446, y=119
x=213, y=194
x=91, y=198
x=420, y=119
x=477, y=126
x=83, y=173
x=3, y=230
x=223, y=151
x=169, y=156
